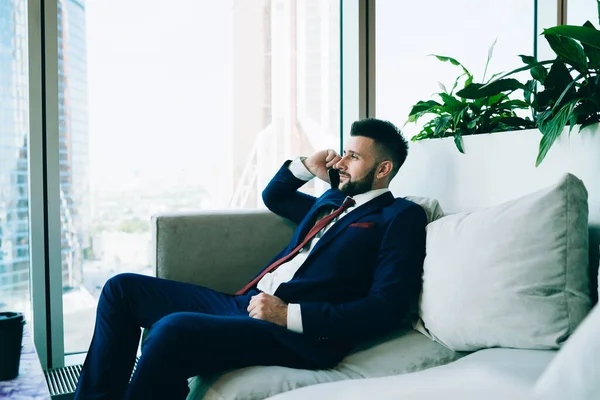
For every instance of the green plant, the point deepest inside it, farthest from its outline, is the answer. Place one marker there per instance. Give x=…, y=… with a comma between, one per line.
x=475, y=109
x=571, y=83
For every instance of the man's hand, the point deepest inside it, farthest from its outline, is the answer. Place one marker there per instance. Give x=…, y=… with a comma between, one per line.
x=320, y=162
x=268, y=308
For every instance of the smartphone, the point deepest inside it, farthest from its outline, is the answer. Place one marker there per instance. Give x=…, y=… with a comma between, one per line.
x=334, y=177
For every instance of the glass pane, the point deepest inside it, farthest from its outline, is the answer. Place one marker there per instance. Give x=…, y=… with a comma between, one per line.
x=14, y=172
x=408, y=31
x=547, y=17
x=580, y=11
x=180, y=108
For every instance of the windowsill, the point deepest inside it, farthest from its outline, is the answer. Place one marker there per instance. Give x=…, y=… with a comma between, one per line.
x=75, y=359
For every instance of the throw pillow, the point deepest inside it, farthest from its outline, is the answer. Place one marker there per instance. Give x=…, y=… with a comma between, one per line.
x=431, y=207
x=514, y=275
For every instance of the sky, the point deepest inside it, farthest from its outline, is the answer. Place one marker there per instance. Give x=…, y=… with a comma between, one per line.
x=159, y=84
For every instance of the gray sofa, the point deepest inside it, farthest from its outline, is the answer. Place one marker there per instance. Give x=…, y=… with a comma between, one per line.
x=225, y=249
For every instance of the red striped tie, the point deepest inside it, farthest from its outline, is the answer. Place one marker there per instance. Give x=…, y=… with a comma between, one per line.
x=322, y=223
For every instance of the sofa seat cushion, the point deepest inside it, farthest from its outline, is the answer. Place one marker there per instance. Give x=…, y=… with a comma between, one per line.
x=399, y=353
x=487, y=374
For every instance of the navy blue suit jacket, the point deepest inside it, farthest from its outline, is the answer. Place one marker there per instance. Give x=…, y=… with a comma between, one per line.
x=364, y=273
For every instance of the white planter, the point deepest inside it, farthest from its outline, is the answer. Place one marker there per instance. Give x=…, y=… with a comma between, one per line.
x=498, y=167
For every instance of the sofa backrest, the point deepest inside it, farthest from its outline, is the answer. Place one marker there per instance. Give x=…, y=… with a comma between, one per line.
x=500, y=167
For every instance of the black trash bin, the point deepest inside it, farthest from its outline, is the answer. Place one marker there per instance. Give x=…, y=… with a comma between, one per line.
x=11, y=337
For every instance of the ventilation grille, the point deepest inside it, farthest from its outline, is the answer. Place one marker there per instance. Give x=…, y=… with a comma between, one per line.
x=63, y=381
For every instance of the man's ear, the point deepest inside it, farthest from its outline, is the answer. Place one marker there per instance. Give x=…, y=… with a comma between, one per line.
x=384, y=169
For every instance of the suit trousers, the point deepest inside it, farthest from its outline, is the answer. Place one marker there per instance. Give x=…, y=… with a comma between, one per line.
x=194, y=331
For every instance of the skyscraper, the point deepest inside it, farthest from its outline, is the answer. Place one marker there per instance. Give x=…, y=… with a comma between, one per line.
x=73, y=138
x=286, y=88
x=14, y=197
x=73, y=145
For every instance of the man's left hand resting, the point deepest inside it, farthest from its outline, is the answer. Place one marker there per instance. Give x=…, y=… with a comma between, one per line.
x=268, y=308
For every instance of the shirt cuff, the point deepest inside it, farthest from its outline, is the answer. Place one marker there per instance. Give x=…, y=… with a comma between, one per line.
x=298, y=169
x=294, y=318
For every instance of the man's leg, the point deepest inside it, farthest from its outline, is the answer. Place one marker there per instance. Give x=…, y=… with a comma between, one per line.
x=128, y=302
x=186, y=344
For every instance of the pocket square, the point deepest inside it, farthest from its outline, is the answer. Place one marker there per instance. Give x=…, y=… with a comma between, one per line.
x=363, y=224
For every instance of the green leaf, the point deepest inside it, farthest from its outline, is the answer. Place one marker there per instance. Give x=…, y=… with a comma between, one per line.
x=525, y=68
x=514, y=122
x=459, y=116
x=570, y=51
x=424, y=106
x=552, y=128
x=584, y=34
x=543, y=116
x=441, y=125
x=421, y=108
x=476, y=90
x=496, y=98
x=529, y=60
x=528, y=93
x=468, y=81
x=587, y=110
x=539, y=73
x=509, y=106
x=557, y=80
x=458, y=142
x=450, y=101
x=447, y=59
x=494, y=75
x=456, y=83
x=593, y=54
x=515, y=104
x=454, y=62
x=565, y=92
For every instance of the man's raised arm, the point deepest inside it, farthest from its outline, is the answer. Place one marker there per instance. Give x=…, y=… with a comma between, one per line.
x=281, y=194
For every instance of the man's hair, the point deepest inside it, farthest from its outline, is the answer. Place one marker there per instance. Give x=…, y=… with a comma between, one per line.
x=389, y=142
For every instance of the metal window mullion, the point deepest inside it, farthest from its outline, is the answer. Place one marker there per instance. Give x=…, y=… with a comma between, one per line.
x=354, y=63
x=561, y=12
x=37, y=251
x=51, y=99
x=370, y=53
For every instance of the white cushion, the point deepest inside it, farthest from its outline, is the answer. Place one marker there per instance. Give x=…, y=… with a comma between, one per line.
x=498, y=374
x=514, y=275
x=399, y=353
x=432, y=207
x=574, y=372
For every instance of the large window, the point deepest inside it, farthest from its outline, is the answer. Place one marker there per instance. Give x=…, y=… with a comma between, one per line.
x=580, y=11
x=408, y=31
x=14, y=178
x=177, y=106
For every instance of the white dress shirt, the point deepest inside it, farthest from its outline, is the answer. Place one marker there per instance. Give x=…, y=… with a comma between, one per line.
x=286, y=271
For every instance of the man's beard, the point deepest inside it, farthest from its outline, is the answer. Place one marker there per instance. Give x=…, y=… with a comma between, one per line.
x=361, y=186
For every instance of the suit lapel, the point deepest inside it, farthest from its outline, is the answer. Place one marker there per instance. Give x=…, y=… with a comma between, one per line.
x=367, y=208
x=331, y=199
